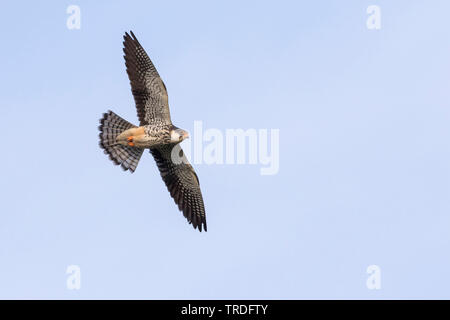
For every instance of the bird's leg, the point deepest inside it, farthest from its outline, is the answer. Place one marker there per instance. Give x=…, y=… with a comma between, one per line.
x=130, y=140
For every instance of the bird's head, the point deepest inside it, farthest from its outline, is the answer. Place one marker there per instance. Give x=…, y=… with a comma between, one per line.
x=178, y=135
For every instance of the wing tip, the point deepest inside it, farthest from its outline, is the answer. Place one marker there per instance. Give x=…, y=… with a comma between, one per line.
x=130, y=36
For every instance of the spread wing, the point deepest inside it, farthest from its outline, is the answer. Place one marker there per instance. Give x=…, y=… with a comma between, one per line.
x=148, y=89
x=182, y=183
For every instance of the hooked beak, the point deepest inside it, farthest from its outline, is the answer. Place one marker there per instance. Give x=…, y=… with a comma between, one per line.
x=185, y=135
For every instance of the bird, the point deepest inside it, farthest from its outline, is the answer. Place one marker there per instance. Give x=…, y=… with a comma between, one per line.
x=125, y=142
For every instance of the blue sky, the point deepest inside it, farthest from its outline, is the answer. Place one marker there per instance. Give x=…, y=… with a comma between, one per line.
x=364, y=151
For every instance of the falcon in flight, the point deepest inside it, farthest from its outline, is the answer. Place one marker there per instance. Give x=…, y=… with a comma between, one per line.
x=125, y=142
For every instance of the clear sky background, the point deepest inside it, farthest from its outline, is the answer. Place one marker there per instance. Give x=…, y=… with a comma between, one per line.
x=364, y=150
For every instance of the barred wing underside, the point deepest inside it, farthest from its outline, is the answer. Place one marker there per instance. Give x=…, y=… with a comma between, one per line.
x=182, y=183
x=149, y=91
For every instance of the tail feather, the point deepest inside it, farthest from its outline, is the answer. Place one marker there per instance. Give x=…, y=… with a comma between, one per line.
x=111, y=125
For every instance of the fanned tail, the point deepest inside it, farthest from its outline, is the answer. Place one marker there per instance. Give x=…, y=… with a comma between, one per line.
x=111, y=125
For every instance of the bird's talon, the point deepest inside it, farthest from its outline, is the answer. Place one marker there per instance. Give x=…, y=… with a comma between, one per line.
x=130, y=140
